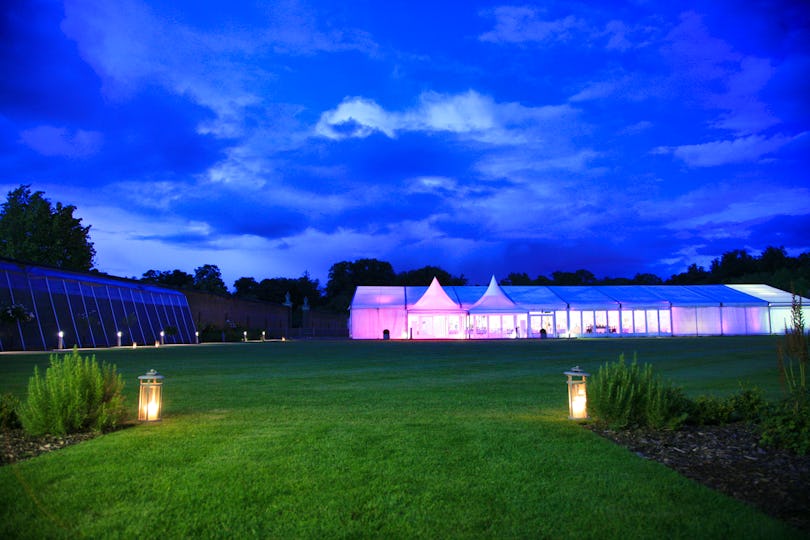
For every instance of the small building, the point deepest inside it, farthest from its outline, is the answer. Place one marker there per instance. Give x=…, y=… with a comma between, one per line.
x=512, y=312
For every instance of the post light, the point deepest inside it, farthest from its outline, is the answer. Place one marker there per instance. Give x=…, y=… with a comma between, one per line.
x=244, y=336
x=150, y=399
x=162, y=335
x=119, y=334
x=577, y=394
x=262, y=335
x=61, y=336
x=197, y=336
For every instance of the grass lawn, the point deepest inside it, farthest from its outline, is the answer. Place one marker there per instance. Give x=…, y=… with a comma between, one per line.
x=378, y=439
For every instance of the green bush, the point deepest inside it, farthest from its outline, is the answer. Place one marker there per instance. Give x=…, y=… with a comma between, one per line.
x=746, y=405
x=9, y=405
x=76, y=394
x=622, y=395
x=787, y=424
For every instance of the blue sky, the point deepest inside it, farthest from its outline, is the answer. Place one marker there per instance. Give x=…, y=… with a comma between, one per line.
x=274, y=138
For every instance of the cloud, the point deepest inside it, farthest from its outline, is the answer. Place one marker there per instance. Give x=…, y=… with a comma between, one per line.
x=469, y=114
x=731, y=206
x=60, y=141
x=722, y=78
x=523, y=24
x=715, y=153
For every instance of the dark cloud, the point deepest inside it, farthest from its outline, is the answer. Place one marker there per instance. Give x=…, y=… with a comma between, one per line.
x=50, y=80
x=157, y=133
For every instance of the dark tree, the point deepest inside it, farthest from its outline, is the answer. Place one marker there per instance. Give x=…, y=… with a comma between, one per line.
x=208, y=278
x=646, y=279
x=774, y=259
x=31, y=230
x=246, y=287
x=580, y=277
x=733, y=264
x=344, y=277
x=176, y=278
x=517, y=278
x=694, y=275
x=425, y=275
x=276, y=289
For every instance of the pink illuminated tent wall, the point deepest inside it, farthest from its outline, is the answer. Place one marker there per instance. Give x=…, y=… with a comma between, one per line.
x=520, y=312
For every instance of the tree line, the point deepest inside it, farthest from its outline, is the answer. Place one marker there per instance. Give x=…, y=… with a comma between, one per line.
x=33, y=230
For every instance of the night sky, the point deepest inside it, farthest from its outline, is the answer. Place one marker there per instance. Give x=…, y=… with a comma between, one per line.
x=277, y=138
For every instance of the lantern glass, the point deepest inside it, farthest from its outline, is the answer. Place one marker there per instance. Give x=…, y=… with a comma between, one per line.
x=150, y=399
x=577, y=394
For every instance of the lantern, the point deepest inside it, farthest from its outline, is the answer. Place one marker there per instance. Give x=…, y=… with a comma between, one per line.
x=577, y=394
x=150, y=400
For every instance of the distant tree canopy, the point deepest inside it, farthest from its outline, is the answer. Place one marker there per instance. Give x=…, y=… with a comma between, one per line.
x=34, y=231
x=774, y=267
x=208, y=278
x=425, y=275
x=276, y=289
x=176, y=278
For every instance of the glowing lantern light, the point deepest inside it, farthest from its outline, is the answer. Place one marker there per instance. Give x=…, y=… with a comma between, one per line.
x=150, y=400
x=577, y=394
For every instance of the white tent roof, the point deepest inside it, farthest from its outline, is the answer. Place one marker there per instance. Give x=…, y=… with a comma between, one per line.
x=378, y=297
x=495, y=300
x=768, y=294
x=435, y=299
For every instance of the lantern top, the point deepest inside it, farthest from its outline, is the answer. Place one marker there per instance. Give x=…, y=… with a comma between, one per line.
x=151, y=374
x=576, y=371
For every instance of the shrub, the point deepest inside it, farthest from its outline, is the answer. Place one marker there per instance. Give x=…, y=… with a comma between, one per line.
x=76, y=394
x=9, y=404
x=746, y=405
x=622, y=395
x=787, y=424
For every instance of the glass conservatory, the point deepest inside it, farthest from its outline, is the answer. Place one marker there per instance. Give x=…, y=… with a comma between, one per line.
x=43, y=308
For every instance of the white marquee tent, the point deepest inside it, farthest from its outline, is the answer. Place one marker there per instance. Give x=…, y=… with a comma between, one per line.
x=502, y=312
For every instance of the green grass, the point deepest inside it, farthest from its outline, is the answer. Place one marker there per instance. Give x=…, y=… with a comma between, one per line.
x=378, y=439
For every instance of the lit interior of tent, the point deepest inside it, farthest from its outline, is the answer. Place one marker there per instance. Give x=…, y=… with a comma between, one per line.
x=519, y=312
